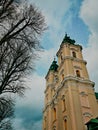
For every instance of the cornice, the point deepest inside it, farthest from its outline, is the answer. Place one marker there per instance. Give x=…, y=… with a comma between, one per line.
x=62, y=84
x=49, y=85
x=79, y=79
x=73, y=59
x=68, y=45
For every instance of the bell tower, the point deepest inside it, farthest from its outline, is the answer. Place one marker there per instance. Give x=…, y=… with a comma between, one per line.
x=70, y=100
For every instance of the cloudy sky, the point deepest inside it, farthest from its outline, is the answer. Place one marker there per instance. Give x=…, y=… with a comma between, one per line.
x=79, y=19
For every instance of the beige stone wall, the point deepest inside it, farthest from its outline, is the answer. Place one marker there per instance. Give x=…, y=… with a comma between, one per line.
x=69, y=98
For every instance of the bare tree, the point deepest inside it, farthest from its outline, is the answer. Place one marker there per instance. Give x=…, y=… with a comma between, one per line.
x=15, y=62
x=6, y=113
x=20, y=26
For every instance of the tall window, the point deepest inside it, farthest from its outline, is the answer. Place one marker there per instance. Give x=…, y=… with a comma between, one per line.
x=47, y=97
x=65, y=124
x=54, y=128
x=64, y=105
x=54, y=112
x=61, y=57
x=74, y=54
x=45, y=122
x=62, y=77
x=78, y=73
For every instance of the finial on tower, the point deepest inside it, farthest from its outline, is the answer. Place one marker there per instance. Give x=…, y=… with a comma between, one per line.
x=68, y=39
x=65, y=34
x=54, y=58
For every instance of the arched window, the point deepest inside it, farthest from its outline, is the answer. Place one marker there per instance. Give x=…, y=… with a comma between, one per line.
x=62, y=77
x=65, y=124
x=74, y=54
x=78, y=73
x=47, y=97
x=64, y=105
x=54, y=128
x=45, y=122
x=61, y=57
x=54, y=112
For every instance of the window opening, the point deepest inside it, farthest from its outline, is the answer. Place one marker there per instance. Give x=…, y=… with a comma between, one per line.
x=78, y=73
x=54, y=113
x=65, y=124
x=74, y=54
x=64, y=105
x=62, y=76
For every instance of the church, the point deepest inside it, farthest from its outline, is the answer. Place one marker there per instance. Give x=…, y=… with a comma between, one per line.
x=70, y=100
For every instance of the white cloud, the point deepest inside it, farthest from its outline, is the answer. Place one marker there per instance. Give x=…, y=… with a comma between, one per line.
x=88, y=13
x=45, y=60
x=18, y=124
x=28, y=114
x=37, y=125
x=54, y=12
x=53, y=8
x=34, y=95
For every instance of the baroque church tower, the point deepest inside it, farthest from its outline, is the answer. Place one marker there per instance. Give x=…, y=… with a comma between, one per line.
x=70, y=100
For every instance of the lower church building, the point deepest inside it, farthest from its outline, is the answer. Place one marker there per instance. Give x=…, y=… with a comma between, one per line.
x=70, y=100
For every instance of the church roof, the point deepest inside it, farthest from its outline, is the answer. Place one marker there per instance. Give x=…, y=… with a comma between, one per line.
x=93, y=121
x=68, y=40
x=96, y=94
x=54, y=66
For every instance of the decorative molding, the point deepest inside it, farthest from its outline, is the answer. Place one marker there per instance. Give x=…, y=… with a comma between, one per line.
x=87, y=114
x=77, y=67
x=65, y=117
x=71, y=58
x=75, y=59
x=52, y=104
x=54, y=128
x=56, y=79
x=61, y=64
x=62, y=71
x=49, y=85
x=77, y=79
x=83, y=93
x=63, y=96
x=55, y=101
x=74, y=49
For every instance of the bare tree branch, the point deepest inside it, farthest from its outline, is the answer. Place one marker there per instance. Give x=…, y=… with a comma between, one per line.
x=20, y=28
x=18, y=43
x=6, y=113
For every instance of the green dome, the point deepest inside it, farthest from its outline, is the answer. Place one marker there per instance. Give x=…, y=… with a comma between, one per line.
x=54, y=66
x=96, y=94
x=68, y=39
